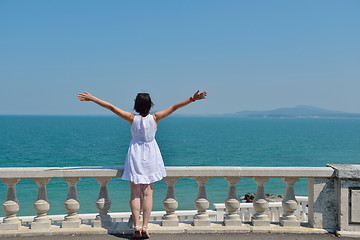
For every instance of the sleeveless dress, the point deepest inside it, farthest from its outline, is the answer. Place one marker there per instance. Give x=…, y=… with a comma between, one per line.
x=144, y=163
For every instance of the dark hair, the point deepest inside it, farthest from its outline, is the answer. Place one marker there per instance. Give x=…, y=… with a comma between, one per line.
x=143, y=104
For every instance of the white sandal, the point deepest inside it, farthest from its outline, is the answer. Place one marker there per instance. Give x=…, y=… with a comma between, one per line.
x=137, y=233
x=144, y=233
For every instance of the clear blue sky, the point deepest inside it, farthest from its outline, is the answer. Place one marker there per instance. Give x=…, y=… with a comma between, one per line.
x=248, y=55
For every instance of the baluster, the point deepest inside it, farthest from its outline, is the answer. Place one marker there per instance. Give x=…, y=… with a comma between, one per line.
x=201, y=203
x=260, y=204
x=251, y=211
x=220, y=212
x=232, y=203
x=272, y=212
x=303, y=213
x=289, y=204
x=11, y=205
x=72, y=205
x=280, y=210
x=41, y=205
x=170, y=203
x=297, y=211
x=103, y=204
x=242, y=215
x=248, y=215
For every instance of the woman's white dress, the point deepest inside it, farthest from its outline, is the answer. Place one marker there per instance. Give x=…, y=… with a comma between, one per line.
x=144, y=163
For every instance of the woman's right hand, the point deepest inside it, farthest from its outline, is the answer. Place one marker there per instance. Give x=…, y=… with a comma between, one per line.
x=198, y=96
x=85, y=96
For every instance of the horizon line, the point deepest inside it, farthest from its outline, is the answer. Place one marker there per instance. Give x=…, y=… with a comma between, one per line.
x=175, y=114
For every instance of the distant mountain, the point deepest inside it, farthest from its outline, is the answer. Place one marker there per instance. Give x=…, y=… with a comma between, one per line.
x=296, y=112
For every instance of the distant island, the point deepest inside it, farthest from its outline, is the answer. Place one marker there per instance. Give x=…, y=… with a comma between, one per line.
x=295, y=112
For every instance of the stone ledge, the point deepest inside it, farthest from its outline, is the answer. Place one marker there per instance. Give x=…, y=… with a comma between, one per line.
x=348, y=234
x=187, y=227
x=54, y=230
x=156, y=228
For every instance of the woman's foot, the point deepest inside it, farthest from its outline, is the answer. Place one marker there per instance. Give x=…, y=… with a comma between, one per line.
x=137, y=232
x=144, y=233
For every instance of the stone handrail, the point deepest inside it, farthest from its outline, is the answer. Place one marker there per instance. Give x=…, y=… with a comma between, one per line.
x=325, y=189
x=114, y=172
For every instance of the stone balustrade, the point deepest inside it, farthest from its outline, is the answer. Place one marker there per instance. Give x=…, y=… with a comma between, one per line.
x=275, y=210
x=333, y=203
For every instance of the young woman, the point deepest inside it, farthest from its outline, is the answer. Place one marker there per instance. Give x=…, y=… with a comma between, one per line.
x=144, y=164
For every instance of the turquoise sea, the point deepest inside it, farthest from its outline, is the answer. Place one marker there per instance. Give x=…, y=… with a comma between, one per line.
x=44, y=141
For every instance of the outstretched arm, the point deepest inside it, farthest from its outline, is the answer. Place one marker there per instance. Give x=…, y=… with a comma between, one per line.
x=164, y=113
x=128, y=116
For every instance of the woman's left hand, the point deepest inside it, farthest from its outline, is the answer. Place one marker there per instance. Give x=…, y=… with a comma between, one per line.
x=85, y=96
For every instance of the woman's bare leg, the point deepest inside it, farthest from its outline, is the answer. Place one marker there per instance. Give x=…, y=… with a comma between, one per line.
x=147, y=192
x=135, y=202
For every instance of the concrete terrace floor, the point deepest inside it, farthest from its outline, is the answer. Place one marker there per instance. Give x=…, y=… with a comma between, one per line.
x=198, y=236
